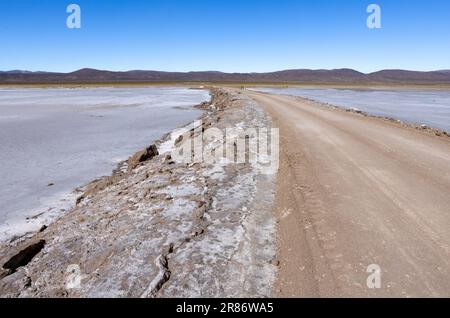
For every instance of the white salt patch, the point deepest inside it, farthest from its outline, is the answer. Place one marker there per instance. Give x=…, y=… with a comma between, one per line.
x=73, y=136
x=51, y=208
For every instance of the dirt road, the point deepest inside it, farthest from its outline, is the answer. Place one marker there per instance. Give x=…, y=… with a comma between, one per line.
x=357, y=191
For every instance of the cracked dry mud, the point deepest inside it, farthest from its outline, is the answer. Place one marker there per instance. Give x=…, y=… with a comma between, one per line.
x=162, y=229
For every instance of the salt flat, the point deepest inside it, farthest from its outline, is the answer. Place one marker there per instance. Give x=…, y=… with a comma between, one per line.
x=54, y=140
x=430, y=107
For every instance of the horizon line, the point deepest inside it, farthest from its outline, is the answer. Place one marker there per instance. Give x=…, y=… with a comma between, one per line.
x=223, y=72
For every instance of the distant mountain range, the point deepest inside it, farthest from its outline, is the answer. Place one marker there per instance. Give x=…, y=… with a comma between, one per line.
x=288, y=76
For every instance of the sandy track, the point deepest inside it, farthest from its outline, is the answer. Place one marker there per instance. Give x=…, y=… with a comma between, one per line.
x=355, y=191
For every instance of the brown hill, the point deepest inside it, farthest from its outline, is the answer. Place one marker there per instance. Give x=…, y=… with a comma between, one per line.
x=288, y=76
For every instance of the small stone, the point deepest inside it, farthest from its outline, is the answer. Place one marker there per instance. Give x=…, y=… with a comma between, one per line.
x=179, y=140
x=4, y=272
x=142, y=156
x=27, y=282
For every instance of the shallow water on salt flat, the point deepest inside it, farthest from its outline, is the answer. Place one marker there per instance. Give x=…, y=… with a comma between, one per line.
x=429, y=107
x=68, y=137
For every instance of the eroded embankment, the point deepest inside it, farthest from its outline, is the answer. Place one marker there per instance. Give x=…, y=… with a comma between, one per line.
x=158, y=228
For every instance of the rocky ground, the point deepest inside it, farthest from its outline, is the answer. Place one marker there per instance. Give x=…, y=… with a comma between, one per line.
x=158, y=228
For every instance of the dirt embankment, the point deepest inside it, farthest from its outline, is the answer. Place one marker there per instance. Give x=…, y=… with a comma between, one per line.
x=158, y=228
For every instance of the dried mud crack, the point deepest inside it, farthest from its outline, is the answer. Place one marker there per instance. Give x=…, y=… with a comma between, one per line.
x=162, y=262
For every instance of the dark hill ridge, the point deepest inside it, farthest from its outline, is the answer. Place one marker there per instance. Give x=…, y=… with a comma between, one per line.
x=288, y=76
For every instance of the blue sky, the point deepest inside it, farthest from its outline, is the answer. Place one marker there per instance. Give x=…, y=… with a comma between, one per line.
x=224, y=35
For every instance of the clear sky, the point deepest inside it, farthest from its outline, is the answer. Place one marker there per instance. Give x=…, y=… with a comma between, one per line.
x=224, y=35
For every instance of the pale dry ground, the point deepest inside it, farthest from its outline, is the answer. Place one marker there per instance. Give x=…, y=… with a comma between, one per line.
x=160, y=228
x=355, y=191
